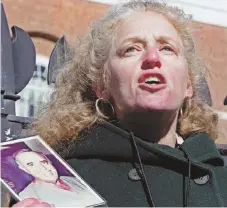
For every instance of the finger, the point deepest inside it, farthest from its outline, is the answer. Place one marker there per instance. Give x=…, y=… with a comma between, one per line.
x=25, y=202
x=42, y=204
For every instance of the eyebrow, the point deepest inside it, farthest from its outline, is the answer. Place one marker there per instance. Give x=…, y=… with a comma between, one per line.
x=166, y=38
x=159, y=38
x=133, y=39
x=30, y=163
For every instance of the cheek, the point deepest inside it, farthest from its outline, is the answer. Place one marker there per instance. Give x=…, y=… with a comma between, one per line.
x=179, y=82
x=53, y=169
x=122, y=85
x=31, y=170
x=179, y=78
x=35, y=173
x=121, y=75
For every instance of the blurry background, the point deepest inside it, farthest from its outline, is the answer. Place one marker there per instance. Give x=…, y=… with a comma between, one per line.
x=47, y=20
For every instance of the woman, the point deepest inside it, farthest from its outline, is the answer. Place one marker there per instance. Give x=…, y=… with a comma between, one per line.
x=128, y=108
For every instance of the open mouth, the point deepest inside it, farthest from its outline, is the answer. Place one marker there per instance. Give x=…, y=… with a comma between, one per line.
x=152, y=81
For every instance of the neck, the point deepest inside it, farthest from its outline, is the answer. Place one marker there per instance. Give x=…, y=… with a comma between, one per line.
x=155, y=127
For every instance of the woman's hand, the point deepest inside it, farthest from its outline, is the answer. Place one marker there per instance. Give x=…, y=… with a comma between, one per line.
x=32, y=202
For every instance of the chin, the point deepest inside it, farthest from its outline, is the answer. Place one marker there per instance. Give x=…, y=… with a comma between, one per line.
x=158, y=106
x=52, y=180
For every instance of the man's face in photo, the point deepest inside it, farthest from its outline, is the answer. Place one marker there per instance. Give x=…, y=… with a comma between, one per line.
x=38, y=166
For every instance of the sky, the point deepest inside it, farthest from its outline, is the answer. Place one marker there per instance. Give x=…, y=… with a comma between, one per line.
x=206, y=11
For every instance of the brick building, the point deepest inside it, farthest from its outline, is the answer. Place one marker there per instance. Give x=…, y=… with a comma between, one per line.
x=48, y=20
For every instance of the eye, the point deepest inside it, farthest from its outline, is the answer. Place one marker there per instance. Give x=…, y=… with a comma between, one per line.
x=129, y=50
x=30, y=164
x=44, y=162
x=167, y=49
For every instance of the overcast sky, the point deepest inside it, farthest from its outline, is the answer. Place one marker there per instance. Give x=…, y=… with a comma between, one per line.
x=207, y=11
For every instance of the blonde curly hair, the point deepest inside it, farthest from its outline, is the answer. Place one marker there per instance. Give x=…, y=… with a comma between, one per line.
x=72, y=104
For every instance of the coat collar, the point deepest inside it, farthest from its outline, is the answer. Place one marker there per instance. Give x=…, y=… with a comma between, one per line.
x=109, y=141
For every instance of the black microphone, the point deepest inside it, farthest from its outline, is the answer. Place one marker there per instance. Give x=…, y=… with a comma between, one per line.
x=225, y=100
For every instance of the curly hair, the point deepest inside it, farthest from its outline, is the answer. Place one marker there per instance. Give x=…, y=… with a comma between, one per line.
x=71, y=107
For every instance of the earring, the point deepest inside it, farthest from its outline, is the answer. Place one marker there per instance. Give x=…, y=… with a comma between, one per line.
x=185, y=108
x=101, y=103
x=180, y=113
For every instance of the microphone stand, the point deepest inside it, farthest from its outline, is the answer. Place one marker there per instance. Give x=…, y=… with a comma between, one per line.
x=17, y=67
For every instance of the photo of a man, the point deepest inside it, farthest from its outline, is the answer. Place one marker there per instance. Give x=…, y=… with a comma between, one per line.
x=48, y=185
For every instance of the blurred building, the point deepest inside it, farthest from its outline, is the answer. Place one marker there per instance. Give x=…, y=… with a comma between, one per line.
x=47, y=20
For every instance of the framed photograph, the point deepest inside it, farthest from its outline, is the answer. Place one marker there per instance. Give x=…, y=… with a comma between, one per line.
x=31, y=169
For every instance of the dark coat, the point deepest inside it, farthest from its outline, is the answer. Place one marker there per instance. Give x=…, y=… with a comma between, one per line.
x=192, y=174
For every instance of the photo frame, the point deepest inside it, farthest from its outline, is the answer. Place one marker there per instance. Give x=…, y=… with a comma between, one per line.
x=32, y=169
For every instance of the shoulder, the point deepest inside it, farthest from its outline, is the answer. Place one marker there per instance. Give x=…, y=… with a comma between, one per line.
x=73, y=181
x=99, y=139
x=70, y=179
x=28, y=191
x=221, y=178
x=223, y=151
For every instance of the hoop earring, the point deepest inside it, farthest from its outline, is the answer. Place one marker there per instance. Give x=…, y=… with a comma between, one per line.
x=101, y=101
x=180, y=113
x=184, y=111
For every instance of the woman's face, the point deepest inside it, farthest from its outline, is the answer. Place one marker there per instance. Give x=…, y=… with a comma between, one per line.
x=147, y=66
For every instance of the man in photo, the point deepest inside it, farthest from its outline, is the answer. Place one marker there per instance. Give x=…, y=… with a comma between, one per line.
x=48, y=186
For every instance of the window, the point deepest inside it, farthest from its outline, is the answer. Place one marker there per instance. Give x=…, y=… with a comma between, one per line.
x=36, y=91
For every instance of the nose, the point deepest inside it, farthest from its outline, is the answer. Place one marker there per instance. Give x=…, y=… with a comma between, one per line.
x=152, y=59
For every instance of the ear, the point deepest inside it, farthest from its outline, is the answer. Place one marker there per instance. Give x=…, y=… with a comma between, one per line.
x=22, y=168
x=102, y=92
x=189, y=90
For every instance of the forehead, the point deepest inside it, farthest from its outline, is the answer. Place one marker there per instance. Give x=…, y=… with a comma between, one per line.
x=27, y=157
x=145, y=24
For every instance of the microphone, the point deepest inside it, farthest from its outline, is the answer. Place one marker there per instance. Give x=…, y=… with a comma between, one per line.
x=225, y=100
